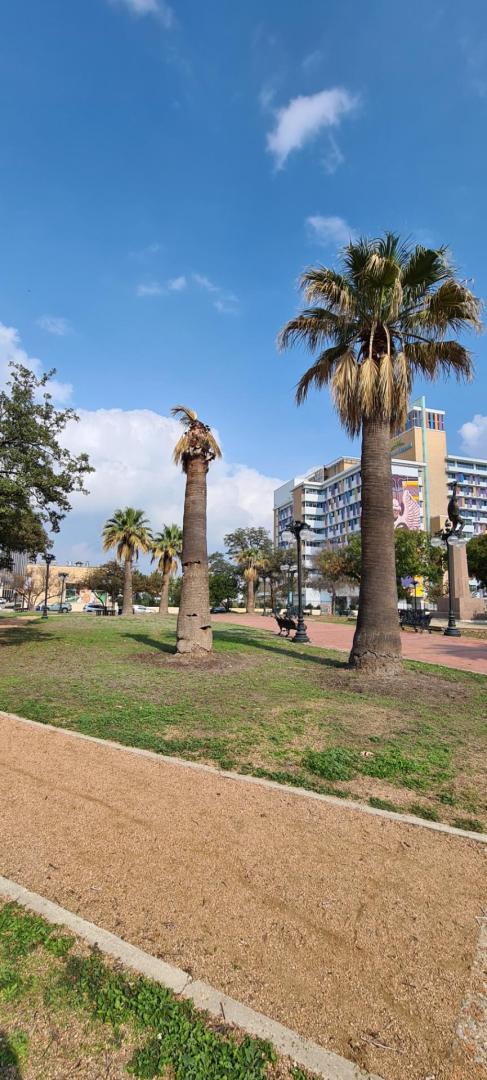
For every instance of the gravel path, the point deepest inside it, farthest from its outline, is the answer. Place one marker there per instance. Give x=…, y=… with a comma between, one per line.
x=467, y=654
x=353, y=930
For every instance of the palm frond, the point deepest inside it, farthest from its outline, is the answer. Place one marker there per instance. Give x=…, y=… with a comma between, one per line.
x=323, y=284
x=451, y=307
x=320, y=373
x=186, y=416
x=426, y=267
x=432, y=358
x=314, y=326
x=344, y=389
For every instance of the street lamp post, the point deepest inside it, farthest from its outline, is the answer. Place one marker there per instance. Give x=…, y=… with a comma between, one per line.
x=48, y=558
x=448, y=538
x=299, y=530
x=63, y=579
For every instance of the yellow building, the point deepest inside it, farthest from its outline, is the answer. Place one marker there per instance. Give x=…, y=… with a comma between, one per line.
x=72, y=590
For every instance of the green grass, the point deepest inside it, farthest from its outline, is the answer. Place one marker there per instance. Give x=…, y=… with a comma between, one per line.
x=118, y=1013
x=291, y=713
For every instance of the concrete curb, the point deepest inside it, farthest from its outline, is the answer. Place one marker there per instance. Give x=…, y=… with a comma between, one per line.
x=302, y=1051
x=284, y=789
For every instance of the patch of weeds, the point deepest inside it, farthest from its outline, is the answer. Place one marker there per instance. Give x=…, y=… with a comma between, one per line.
x=383, y=804
x=13, y=985
x=293, y=779
x=21, y=932
x=300, y=1074
x=13, y=1049
x=336, y=763
x=447, y=798
x=178, y=1037
x=426, y=812
x=470, y=824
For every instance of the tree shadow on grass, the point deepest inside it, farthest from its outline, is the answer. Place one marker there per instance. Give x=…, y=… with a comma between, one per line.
x=287, y=648
x=153, y=643
x=19, y=635
x=9, y=1059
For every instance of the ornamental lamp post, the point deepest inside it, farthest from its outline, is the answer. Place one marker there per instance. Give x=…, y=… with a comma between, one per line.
x=299, y=531
x=448, y=539
x=48, y=559
x=63, y=579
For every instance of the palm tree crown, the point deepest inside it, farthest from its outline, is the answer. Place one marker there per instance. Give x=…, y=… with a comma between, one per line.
x=386, y=317
x=128, y=531
x=196, y=440
x=167, y=545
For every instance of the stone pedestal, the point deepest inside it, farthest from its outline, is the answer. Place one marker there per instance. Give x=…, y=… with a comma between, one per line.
x=465, y=606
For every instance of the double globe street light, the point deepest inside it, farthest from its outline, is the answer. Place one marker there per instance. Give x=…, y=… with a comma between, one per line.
x=299, y=531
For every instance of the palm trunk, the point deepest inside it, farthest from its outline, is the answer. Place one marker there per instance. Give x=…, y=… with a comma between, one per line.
x=250, y=596
x=128, y=605
x=194, y=635
x=164, y=603
x=377, y=640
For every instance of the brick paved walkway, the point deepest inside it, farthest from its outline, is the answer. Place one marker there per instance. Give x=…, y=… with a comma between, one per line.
x=467, y=654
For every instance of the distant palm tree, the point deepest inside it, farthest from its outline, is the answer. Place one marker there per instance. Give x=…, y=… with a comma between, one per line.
x=378, y=323
x=128, y=531
x=250, y=562
x=166, y=546
x=194, y=451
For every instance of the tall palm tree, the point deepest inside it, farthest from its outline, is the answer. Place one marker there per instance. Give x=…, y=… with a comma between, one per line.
x=250, y=562
x=128, y=531
x=194, y=451
x=166, y=546
x=387, y=316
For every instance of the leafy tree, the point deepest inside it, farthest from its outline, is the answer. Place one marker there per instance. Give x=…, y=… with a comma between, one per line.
x=37, y=475
x=477, y=558
x=376, y=324
x=175, y=587
x=249, y=548
x=167, y=546
x=414, y=556
x=223, y=579
x=194, y=451
x=127, y=531
x=332, y=571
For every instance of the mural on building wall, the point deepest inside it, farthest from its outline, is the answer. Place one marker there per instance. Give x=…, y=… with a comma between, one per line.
x=405, y=502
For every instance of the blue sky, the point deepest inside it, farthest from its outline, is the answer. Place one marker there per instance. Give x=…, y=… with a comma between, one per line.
x=166, y=172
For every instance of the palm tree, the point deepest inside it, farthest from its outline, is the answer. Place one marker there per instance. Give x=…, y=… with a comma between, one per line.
x=128, y=531
x=194, y=451
x=250, y=562
x=386, y=317
x=166, y=546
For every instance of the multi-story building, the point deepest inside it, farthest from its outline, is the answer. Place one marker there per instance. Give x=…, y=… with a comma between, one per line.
x=328, y=497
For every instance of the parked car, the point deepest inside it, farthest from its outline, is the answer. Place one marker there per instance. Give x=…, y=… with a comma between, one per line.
x=61, y=610
x=139, y=609
x=218, y=609
x=93, y=607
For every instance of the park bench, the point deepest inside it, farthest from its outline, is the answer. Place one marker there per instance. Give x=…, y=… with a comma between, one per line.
x=417, y=620
x=285, y=623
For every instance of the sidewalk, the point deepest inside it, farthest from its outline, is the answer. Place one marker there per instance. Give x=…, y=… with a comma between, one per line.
x=466, y=654
x=356, y=931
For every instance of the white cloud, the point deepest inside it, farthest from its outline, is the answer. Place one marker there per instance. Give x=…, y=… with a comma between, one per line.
x=205, y=283
x=177, y=284
x=159, y=8
x=312, y=60
x=225, y=302
x=149, y=288
x=329, y=231
x=333, y=157
x=266, y=96
x=54, y=324
x=474, y=436
x=131, y=451
x=304, y=117
x=11, y=351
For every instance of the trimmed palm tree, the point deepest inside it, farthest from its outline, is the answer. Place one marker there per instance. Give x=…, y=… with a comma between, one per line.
x=391, y=313
x=128, y=531
x=166, y=547
x=250, y=562
x=194, y=451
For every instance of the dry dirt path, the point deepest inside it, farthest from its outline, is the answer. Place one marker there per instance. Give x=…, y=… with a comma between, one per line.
x=353, y=930
x=467, y=654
